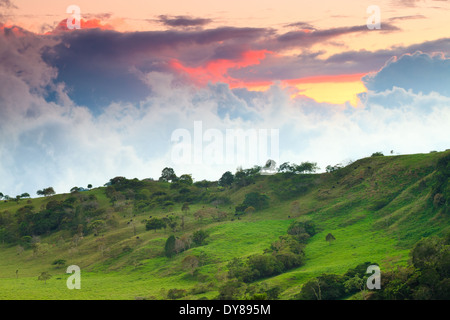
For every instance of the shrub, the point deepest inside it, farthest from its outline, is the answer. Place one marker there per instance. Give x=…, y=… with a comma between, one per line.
x=174, y=294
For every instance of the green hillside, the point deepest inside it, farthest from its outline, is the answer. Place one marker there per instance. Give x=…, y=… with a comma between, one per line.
x=377, y=209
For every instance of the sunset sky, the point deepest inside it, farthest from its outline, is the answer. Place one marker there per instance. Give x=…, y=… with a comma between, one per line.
x=82, y=106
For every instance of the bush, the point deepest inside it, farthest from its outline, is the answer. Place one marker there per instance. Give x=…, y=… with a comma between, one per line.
x=199, y=237
x=169, y=248
x=174, y=294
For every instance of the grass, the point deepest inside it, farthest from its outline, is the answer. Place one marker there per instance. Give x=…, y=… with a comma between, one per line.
x=376, y=208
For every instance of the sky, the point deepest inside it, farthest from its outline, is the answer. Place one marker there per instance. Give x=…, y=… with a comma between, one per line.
x=139, y=85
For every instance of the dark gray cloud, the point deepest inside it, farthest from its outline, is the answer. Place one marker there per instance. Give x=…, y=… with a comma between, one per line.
x=414, y=17
x=183, y=21
x=310, y=64
x=307, y=36
x=102, y=66
x=301, y=25
x=7, y=4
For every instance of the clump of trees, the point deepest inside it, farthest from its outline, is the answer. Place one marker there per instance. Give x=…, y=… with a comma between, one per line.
x=284, y=254
x=304, y=167
x=46, y=192
x=334, y=286
x=175, y=245
x=427, y=277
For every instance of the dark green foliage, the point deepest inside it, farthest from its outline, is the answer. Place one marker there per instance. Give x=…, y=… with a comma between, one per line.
x=59, y=262
x=199, y=237
x=304, y=167
x=302, y=230
x=245, y=177
x=441, y=189
x=256, y=200
x=155, y=224
x=226, y=180
x=231, y=290
x=283, y=255
x=377, y=154
x=169, y=248
x=426, y=278
x=325, y=287
x=293, y=185
x=174, y=294
x=168, y=175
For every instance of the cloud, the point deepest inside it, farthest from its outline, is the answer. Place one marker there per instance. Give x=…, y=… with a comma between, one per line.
x=7, y=4
x=414, y=17
x=419, y=72
x=183, y=21
x=49, y=138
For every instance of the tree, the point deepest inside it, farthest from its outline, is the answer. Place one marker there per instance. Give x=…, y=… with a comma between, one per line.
x=199, y=237
x=249, y=210
x=377, y=154
x=117, y=180
x=74, y=189
x=155, y=224
x=168, y=175
x=46, y=192
x=330, y=238
x=44, y=277
x=25, y=195
x=186, y=179
x=1, y=196
x=169, y=248
x=256, y=200
x=227, y=179
x=306, y=167
x=59, y=263
x=185, y=207
x=285, y=167
x=89, y=186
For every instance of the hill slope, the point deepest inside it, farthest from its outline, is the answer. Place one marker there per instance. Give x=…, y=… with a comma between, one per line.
x=376, y=208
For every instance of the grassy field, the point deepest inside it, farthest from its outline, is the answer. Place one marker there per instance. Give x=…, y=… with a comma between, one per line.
x=376, y=208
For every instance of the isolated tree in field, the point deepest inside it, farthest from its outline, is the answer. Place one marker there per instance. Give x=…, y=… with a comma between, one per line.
x=89, y=186
x=44, y=277
x=1, y=196
x=155, y=224
x=25, y=195
x=330, y=238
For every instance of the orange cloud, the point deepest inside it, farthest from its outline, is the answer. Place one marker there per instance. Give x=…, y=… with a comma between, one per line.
x=216, y=70
x=17, y=31
x=84, y=24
